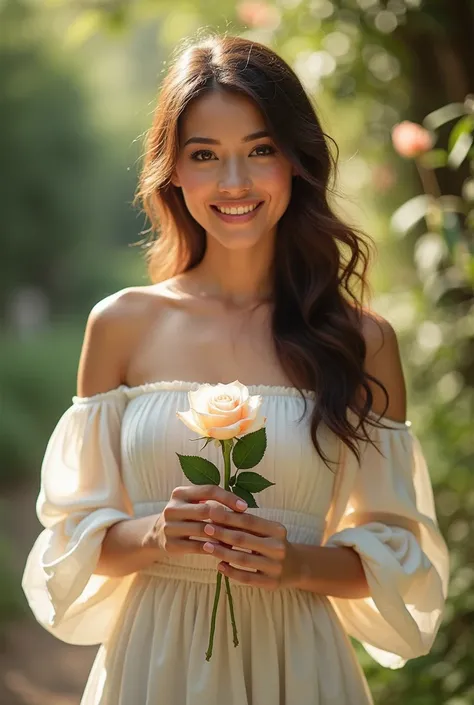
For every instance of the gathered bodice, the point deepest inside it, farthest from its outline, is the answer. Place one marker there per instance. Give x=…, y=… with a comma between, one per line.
x=152, y=435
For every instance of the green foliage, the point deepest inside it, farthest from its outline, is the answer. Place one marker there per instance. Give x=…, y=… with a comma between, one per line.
x=246, y=484
x=252, y=482
x=440, y=356
x=199, y=471
x=64, y=196
x=250, y=449
x=245, y=495
x=12, y=604
x=37, y=380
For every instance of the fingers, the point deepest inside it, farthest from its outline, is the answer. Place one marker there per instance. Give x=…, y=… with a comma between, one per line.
x=249, y=523
x=202, y=493
x=185, y=529
x=240, y=539
x=249, y=577
x=175, y=546
x=249, y=561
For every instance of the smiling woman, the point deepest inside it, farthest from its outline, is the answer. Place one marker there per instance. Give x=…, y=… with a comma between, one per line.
x=243, y=180
x=254, y=279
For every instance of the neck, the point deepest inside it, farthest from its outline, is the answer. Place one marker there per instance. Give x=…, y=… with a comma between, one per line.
x=235, y=277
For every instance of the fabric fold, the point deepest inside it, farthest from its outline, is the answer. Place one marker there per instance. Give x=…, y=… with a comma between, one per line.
x=385, y=511
x=81, y=496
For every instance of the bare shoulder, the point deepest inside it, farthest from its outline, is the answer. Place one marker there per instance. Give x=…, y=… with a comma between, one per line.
x=114, y=326
x=383, y=362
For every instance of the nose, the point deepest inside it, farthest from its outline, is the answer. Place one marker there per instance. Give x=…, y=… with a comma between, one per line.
x=234, y=177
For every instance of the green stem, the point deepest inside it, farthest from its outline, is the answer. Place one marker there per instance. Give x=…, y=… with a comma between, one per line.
x=226, y=451
x=231, y=610
x=213, y=619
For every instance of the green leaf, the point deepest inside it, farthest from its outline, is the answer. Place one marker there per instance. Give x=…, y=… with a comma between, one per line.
x=253, y=482
x=410, y=213
x=246, y=496
x=443, y=115
x=208, y=440
x=232, y=480
x=460, y=150
x=434, y=159
x=198, y=470
x=249, y=450
x=463, y=126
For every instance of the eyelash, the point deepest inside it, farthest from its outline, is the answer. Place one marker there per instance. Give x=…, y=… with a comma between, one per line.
x=195, y=155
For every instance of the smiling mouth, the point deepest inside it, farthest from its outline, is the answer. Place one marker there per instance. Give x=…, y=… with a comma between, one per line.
x=237, y=211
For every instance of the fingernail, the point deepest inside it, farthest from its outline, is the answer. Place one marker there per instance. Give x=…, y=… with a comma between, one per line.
x=209, y=529
x=209, y=547
x=241, y=504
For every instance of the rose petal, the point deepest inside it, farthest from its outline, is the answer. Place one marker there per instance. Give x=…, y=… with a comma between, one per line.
x=254, y=404
x=188, y=418
x=236, y=406
x=223, y=403
x=243, y=392
x=225, y=433
x=251, y=425
x=234, y=390
x=218, y=420
x=199, y=398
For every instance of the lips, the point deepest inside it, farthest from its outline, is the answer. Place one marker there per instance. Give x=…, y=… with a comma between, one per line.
x=227, y=205
x=236, y=217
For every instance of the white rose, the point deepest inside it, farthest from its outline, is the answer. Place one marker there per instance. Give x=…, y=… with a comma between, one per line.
x=223, y=411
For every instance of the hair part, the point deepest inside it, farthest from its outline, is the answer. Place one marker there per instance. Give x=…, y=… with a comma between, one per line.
x=320, y=263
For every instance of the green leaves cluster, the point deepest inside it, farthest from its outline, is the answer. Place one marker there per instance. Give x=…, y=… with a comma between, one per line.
x=448, y=218
x=247, y=452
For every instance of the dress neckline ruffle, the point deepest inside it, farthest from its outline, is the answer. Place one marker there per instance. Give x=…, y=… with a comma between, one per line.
x=265, y=390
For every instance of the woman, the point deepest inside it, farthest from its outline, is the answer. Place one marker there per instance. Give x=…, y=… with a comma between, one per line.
x=254, y=279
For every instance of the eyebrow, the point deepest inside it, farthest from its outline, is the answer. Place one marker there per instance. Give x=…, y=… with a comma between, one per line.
x=208, y=140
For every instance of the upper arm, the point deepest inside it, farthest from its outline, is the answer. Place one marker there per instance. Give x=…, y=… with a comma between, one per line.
x=106, y=346
x=383, y=362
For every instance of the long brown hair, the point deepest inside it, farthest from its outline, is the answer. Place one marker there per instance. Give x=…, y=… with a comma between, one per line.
x=320, y=263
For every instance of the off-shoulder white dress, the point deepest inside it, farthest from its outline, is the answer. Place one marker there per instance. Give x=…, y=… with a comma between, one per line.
x=113, y=456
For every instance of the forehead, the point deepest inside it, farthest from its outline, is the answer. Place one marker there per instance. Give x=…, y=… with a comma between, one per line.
x=220, y=113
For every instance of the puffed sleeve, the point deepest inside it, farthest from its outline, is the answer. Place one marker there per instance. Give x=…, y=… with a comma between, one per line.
x=81, y=496
x=384, y=509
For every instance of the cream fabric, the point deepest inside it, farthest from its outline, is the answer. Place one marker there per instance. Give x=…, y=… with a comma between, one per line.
x=113, y=456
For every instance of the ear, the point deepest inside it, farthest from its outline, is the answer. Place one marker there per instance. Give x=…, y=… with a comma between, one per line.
x=175, y=181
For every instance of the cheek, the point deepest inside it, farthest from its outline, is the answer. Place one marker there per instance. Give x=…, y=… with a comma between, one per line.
x=276, y=179
x=195, y=185
x=193, y=182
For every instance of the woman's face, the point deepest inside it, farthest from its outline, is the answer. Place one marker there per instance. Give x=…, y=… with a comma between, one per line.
x=235, y=182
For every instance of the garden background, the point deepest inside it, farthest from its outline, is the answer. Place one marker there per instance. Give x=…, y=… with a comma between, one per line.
x=78, y=85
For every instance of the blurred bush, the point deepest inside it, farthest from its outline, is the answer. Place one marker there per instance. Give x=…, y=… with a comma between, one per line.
x=37, y=379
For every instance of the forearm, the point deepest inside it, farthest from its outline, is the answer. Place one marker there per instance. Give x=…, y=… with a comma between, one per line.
x=335, y=571
x=122, y=551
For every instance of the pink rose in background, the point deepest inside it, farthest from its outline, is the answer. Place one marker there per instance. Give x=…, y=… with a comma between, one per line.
x=258, y=14
x=411, y=140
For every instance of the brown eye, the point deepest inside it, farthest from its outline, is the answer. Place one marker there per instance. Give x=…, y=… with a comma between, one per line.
x=202, y=155
x=264, y=150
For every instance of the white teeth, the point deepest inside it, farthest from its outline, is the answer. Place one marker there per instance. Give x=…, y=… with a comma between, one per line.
x=240, y=210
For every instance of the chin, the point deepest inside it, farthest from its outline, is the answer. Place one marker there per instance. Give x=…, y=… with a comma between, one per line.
x=238, y=241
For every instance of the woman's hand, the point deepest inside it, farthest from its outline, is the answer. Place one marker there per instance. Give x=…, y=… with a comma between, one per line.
x=272, y=563
x=185, y=515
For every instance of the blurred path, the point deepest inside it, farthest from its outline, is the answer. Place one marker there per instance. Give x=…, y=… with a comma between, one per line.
x=35, y=668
